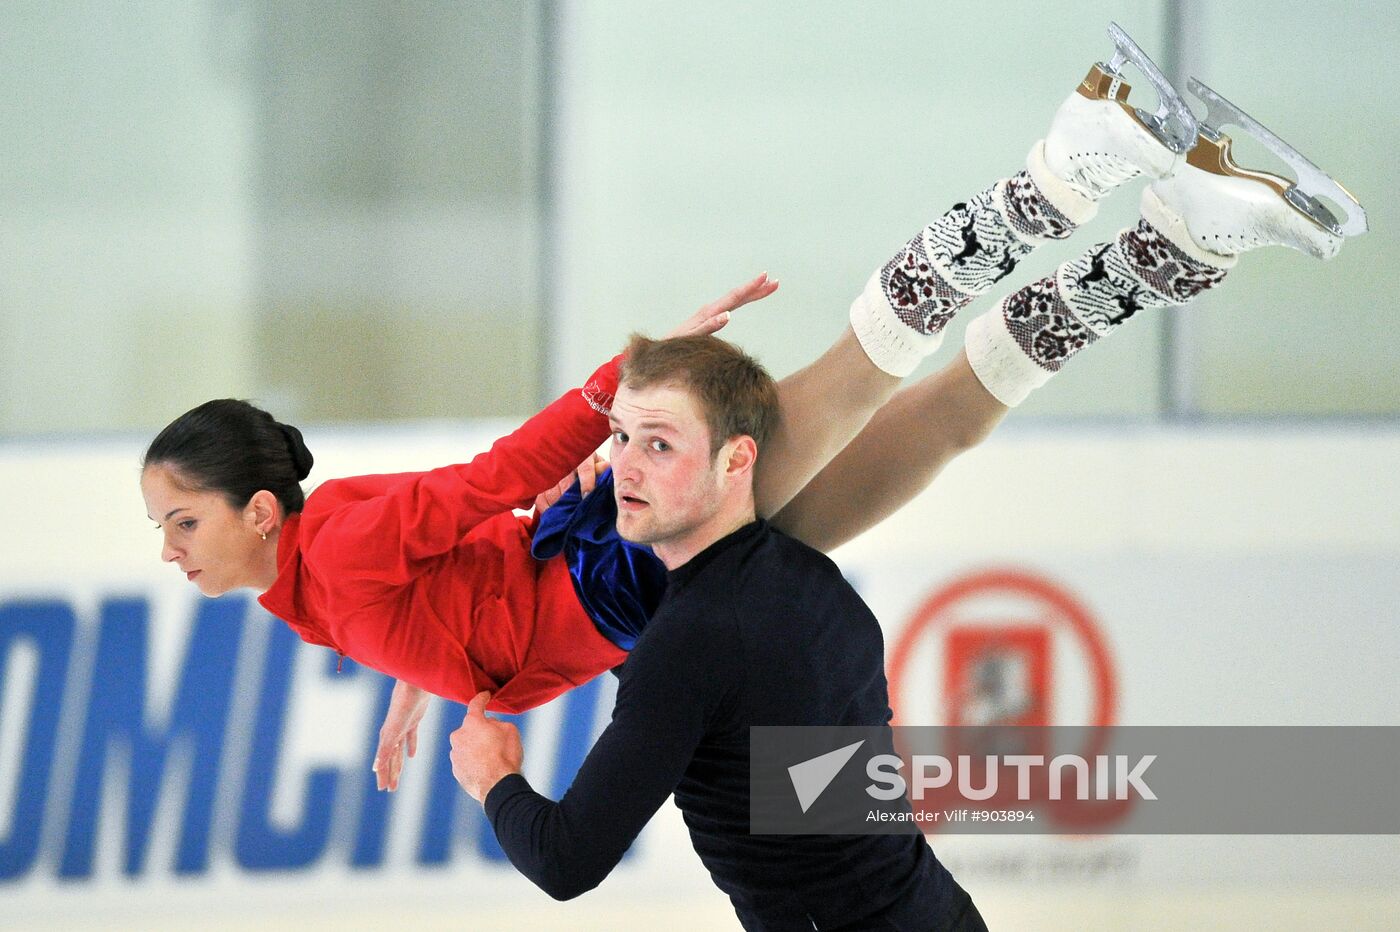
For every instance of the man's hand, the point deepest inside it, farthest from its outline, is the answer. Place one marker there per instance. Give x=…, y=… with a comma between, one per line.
x=714, y=316
x=399, y=731
x=484, y=750
x=587, y=474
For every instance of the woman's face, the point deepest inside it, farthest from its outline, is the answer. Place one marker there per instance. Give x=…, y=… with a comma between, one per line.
x=214, y=544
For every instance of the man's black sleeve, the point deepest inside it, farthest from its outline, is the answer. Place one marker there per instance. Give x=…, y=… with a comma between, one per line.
x=671, y=686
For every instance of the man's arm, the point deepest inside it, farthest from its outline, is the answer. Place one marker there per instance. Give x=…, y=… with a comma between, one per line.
x=669, y=691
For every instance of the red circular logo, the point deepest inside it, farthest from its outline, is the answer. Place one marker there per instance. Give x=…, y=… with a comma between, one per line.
x=1009, y=648
x=1012, y=646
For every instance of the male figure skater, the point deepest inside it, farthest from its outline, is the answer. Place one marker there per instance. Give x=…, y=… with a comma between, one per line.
x=755, y=627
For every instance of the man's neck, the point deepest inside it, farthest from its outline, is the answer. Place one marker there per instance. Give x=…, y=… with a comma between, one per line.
x=681, y=550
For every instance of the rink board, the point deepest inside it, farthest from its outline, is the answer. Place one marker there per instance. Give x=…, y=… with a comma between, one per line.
x=166, y=756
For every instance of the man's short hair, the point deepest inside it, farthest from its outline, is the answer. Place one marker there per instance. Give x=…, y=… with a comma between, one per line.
x=736, y=394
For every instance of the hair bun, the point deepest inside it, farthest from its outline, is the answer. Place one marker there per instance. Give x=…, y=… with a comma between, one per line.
x=301, y=456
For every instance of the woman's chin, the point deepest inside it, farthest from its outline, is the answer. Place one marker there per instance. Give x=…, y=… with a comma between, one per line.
x=208, y=587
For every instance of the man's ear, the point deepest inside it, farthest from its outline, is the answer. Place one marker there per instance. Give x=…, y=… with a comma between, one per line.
x=741, y=455
x=263, y=512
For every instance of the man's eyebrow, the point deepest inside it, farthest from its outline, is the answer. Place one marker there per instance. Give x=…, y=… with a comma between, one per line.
x=651, y=423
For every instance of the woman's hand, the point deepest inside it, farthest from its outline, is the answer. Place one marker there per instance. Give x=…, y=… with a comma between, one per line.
x=587, y=474
x=713, y=317
x=400, y=730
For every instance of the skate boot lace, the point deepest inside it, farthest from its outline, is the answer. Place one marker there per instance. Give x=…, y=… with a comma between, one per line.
x=1101, y=172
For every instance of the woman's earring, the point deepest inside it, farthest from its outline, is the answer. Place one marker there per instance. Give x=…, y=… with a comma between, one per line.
x=264, y=537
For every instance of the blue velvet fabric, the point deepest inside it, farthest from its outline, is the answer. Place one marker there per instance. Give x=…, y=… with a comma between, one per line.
x=620, y=584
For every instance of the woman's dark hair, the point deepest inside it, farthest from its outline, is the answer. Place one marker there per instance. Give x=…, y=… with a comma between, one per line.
x=235, y=448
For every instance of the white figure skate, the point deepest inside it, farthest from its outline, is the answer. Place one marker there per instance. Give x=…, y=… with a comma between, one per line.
x=1228, y=209
x=1098, y=140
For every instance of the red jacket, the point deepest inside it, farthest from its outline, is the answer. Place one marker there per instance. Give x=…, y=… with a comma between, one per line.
x=428, y=577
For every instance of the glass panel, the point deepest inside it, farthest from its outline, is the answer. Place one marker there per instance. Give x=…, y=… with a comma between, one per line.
x=331, y=208
x=124, y=209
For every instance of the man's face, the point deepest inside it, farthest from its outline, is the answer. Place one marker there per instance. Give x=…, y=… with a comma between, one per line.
x=666, y=482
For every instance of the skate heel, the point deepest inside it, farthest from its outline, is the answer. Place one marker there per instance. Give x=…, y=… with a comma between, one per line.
x=1098, y=140
x=1172, y=124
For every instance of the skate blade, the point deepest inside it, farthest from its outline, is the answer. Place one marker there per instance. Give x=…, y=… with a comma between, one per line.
x=1212, y=154
x=1173, y=124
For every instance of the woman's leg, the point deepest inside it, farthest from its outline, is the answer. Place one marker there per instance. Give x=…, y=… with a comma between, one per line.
x=824, y=406
x=900, y=451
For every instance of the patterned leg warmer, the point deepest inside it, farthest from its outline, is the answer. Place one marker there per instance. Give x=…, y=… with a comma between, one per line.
x=900, y=316
x=1016, y=346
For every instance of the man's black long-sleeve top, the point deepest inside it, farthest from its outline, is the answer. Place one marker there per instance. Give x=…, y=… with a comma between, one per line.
x=758, y=629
